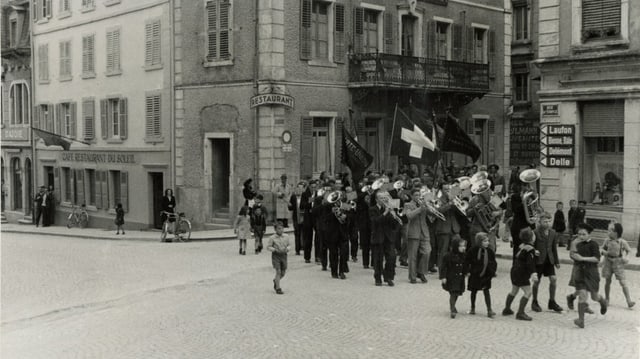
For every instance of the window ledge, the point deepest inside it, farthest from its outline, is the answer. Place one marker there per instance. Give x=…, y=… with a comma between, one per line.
x=217, y=63
x=66, y=78
x=44, y=82
x=521, y=42
x=87, y=9
x=322, y=63
x=89, y=75
x=114, y=140
x=113, y=73
x=154, y=140
x=111, y=2
x=43, y=21
x=152, y=67
x=601, y=45
x=64, y=14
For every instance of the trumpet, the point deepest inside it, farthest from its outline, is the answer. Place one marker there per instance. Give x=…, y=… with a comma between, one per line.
x=366, y=189
x=398, y=184
x=377, y=184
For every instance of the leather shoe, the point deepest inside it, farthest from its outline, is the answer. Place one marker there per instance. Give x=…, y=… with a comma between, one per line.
x=554, y=306
x=422, y=278
x=603, y=307
x=307, y=261
x=413, y=281
x=378, y=283
x=523, y=316
x=279, y=291
x=390, y=282
x=334, y=276
x=535, y=306
x=342, y=276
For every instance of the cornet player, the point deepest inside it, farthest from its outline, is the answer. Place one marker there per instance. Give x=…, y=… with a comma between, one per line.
x=476, y=204
x=384, y=227
x=418, y=239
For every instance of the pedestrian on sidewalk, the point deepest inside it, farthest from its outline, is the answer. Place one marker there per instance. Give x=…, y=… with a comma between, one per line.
x=523, y=272
x=559, y=224
x=452, y=273
x=242, y=227
x=258, y=226
x=119, y=221
x=481, y=265
x=38, y=202
x=587, y=279
x=615, y=251
x=546, y=245
x=279, y=246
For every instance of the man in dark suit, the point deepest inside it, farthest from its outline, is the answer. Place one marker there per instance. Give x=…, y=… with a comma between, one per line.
x=546, y=243
x=306, y=206
x=384, y=228
x=295, y=202
x=445, y=230
x=38, y=201
x=363, y=222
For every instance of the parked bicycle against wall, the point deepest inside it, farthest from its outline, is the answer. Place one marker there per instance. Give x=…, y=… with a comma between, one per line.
x=180, y=227
x=78, y=217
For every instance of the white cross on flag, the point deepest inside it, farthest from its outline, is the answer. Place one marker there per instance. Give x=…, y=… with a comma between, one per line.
x=417, y=140
x=410, y=141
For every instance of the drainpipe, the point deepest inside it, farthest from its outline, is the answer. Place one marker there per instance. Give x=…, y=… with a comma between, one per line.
x=256, y=74
x=172, y=119
x=34, y=162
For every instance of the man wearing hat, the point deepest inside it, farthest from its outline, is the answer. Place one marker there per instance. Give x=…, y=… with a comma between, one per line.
x=38, y=201
x=283, y=195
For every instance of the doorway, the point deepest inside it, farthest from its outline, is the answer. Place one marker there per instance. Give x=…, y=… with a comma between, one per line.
x=17, y=184
x=49, y=178
x=28, y=186
x=220, y=172
x=157, y=192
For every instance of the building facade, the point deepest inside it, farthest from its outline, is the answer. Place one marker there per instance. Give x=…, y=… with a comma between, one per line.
x=17, y=181
x=265, y=87
x=589, y=56
x=103, y=80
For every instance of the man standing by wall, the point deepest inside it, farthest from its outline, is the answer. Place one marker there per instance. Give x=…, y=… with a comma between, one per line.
x=38, y=203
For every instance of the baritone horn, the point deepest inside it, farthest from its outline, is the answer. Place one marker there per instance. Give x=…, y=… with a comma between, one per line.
x=531, y=199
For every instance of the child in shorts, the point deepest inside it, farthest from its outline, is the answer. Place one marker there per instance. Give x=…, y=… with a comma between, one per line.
x=279, y=246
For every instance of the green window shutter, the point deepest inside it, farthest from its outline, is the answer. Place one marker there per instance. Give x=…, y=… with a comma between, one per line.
x=72, y=109
x=80, y=186
x=124, y=190
x=306, y=147
x=104, y=123
x=123, y=118
x=389, y=26
x=305, y=30
x=456, y=36
x=492, y=54
x=339, y=34
x=358, y=30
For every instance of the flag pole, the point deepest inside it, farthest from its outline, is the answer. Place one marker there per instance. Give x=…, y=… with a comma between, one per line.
x=57, y=135
x=393, y=127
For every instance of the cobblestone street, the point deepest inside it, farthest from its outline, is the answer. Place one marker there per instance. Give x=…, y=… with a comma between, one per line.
x=79, y=298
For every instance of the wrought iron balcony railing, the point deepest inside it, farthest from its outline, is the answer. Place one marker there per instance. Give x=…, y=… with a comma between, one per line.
x=388, y=70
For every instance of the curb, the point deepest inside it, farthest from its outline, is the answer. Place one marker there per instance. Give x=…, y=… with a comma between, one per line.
x=92, y=236
x=633, y=267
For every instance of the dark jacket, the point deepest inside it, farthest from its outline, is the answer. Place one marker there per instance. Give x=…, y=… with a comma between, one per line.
x=453, y=269
x=523, y=266
x=547, y=246
x=383, y=226
x=451, y=225
x=293, y=207
x=168, y=205
x=474, y=266
x=576, y=216
x=258, y=223
x=306, y=206
x=559, y=224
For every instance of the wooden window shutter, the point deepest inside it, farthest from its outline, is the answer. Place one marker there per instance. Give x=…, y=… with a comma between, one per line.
x=389, y=25
x=98, y=188
x=72, y=119
x=457, y=48
x=91, y=61
x=306, y=147
x=110, y=55
x=338, y=149
x=212, y=30
x=305, y=30
x=36, y=116
x=57, y=185
x=34, y=10
x=491, y=130
x=104, y=189
x=468, y=44
x=124, y=190
x=358, y=30
x=492, y=54
x=224, y=30
x=152, y=43
x=6, y=40
x=58, y=119
x=48, y=7
x=603, y=119
x=601, y=18
x=88, y=119
x=85, y=54
x=50, y=118
x=430, y=36
x=116, y=49
x=80, y=186
x=62, y=59
x=339, y=34
x=104, y=123
x=123, y=118
x=152, y=116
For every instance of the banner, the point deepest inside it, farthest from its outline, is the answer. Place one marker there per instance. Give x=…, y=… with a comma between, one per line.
x=414, y=138
x=457, y=140
x=354, y=156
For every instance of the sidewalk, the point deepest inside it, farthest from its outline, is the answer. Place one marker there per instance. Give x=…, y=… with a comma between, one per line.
x=503, y=250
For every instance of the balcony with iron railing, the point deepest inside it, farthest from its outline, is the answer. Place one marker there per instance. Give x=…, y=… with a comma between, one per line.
x=408, y=72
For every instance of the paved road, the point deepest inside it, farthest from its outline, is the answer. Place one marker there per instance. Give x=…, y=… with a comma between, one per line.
x=78, y=298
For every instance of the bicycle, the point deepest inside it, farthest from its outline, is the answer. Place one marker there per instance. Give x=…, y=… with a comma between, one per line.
x=180, y=228
x=78, y=218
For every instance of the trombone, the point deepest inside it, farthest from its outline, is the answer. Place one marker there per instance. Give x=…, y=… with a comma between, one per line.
x=427, y=201
x=386, y=202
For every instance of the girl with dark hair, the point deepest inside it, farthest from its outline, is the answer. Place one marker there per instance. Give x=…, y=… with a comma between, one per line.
x=523, y=272
x=481, y=265
x=248, y=192
x=452, y=273
x=169, y=206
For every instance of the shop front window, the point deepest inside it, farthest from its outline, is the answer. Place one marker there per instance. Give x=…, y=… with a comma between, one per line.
x=603, y=171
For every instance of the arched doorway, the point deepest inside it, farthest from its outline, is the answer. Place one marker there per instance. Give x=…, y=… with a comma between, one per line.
x=17, y=184
x=28, y=186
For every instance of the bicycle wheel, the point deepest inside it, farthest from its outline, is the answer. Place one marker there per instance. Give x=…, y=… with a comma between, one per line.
x=70, y=221
x=163, y=234
x=184, y=230
x=83, y=220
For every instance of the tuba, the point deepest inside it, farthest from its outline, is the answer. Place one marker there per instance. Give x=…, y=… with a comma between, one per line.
x=484, y=212
x=531, y=199
x=333, y=198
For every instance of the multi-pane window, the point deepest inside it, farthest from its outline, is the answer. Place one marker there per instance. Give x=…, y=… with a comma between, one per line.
x=113, y=51
x=42, y=9
x=113, y=113
x=65, y=5
x=601, y=19
x=152, y=43
x=88, y=55
x=88, y=119
x=88, y=4
x=19, y=103
x=66, y=117
x=371, y=31
x=43, y=62
x=45, y=117
x=408, y=36
x=520, y=21
x=65, y=59
x=320, y=30
x=321, y=145
x=90, y=177
x=152, y=116
x=219, y=32
x=442, y=41
x=371, y=141
x=479, y=46
x=521, y=86
x=13, y=33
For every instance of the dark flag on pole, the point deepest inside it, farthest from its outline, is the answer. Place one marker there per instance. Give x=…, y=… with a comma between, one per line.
x=354, y=156
x=51, y=139
x=457, y=140
x=413, y=139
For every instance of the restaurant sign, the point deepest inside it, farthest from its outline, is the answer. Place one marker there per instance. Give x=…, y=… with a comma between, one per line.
x=272, y=99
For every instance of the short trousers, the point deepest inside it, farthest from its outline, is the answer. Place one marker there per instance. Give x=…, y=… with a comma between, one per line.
x=613, y=266
x=547, y=269
x=279, y=261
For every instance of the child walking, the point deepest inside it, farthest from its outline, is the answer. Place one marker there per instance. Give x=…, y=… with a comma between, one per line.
x=559, y=224
x=452, y=273
x=258, y=226
x=523, y=272
x=587, y=278
x=119, y=221
x=615, y=251
x=481, y=265
x=279, y=246
x=572, y=280
x=242, y=228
